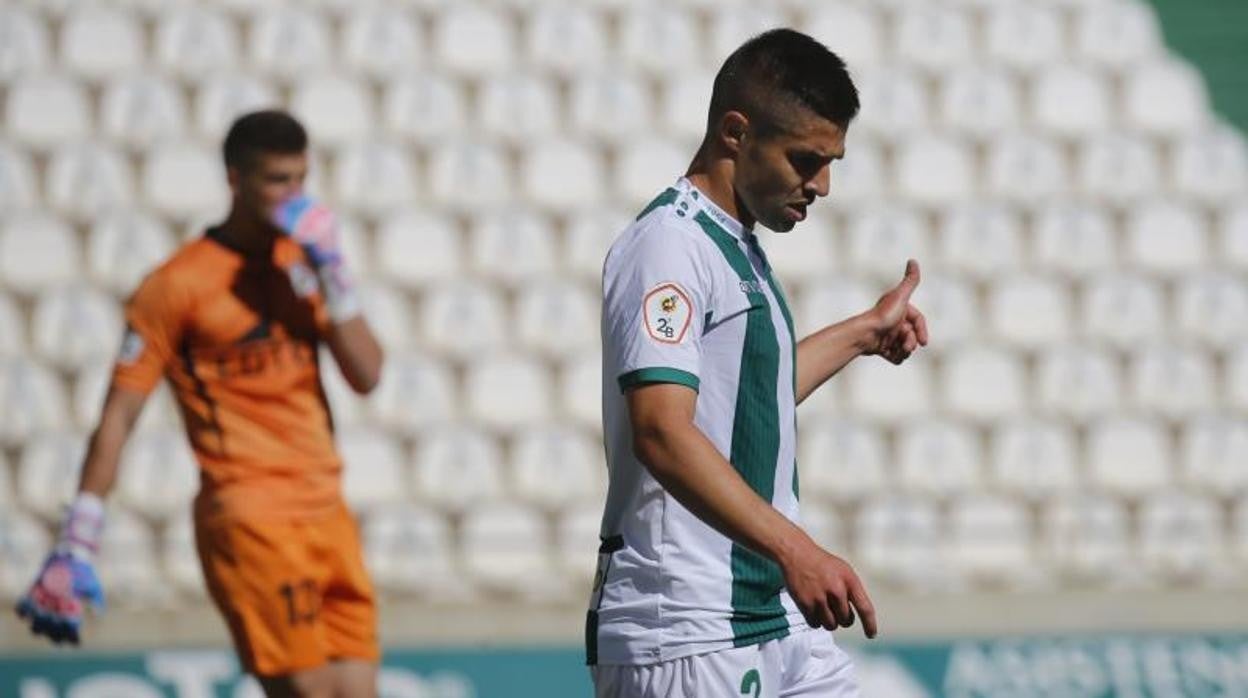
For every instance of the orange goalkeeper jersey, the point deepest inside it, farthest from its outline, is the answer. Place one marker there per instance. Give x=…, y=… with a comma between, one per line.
x=237, y=338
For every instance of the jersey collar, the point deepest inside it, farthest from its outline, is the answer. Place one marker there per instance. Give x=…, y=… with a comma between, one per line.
x=717, y=214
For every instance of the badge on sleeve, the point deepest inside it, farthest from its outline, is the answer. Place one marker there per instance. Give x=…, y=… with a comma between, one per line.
x=666, y=312
x=132, y=346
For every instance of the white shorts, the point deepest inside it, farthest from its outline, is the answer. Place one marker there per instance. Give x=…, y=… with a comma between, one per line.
x=806, y=663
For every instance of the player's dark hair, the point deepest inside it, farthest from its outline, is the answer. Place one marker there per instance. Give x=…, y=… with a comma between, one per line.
x=777, y=71
x=268, y=131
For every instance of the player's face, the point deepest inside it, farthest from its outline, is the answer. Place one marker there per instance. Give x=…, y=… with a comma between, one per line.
x=269, y=179
x=780, y=174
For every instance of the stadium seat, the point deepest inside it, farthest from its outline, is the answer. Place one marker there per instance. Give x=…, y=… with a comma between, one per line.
x=25, y=43
x=469, y=175
x=577, y=539
x=458, y=469
x=1117, y=34
x=900, y=541
x=372, y=468
x=882, y=391
x=127, y=564
x=981, y=241
x=46, y=110
x=934, y=37
x=1181, y=538
x=1071, y=101
x=1239, y=532
x=425, y=107
x=223, y=98
x=474, y=40
x=7, y=490
x=979, y=101
x=646, y=167
x=1233, y=237
x=85, y=180
x=616, y=107
x=557, y=318
x=1212, y=307
x=336, y=109
x=373, y=177
x=894, y=102
x=580, y=390
x=1025, y=168
x=1085, y=540
x=47, y=473
x=861, y=178
x=1074, y=239
x=566, y=40
x=1119, y=168
x=415, y=248
x=938, y=458
x=1122, y=310
x=842, y=460
x=682, y=110
x=159, y=475
x=1077, y=382
x=1029, y=311
x=37, y=252
x=97, y=42
x=1214, y=449
x=409, y=550
x=415, y=392
x=1033, y=459
x=142, y=110
x=949, y=304
x=287, y=41
x=882, y=239
x=18, y=189
x=507, y=392
x=178, y=557
x=1236, y=388
x=1166, y=238
x=555, y=467
x=732, y=26
x=12, y=329
x=380, y=41
x=517, y=107
x=24, y=543
x=588, y=236
x=856, y=31
x=184, y=180
x=193, y=41
x=807, y=256
x=1023, y=36
x=345, y=405
x=1172, y=381
x=73, y=325
x=1165, y=98
x=463, y=319
x=1129, y=456
x=984, y=383
x=990, y=541
x=653, y=38
x=824, y=526
x=90, y=386
x=1211, y=166
x=505, y=550
x=388, y=315
x=559, y=174
x=513, y=247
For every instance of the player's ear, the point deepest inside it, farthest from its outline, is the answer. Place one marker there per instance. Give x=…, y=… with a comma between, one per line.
x=233, y=177
x=733, y=126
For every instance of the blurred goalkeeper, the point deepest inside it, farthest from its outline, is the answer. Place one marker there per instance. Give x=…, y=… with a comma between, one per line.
x=233, y=320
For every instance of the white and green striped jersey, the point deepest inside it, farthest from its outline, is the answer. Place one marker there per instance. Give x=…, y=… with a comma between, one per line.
x=688, y=298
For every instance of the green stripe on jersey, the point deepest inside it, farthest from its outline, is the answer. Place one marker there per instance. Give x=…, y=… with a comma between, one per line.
x=667, y=197
x=643, y=376
x=778, y=292
x=757, y=614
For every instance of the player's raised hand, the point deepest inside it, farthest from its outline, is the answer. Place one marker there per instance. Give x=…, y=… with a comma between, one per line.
x=899, y=327
x=827, y=590
x=313, y=225
x=55, y=603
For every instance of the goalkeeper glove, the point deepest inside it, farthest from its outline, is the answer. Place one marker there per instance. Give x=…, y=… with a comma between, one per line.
x=315, y=228
x=54, y=604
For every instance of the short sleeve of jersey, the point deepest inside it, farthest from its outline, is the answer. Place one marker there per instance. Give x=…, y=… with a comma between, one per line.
x=155, y=315
x=656, y=293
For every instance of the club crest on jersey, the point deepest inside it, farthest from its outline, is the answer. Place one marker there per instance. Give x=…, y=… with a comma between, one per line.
x=666, y=312
x=132, y=346
x=302, y=279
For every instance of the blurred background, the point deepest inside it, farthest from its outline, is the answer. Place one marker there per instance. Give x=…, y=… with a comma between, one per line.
x=1051, y=500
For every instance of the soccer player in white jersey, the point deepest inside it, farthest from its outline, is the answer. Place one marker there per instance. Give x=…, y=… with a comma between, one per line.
x=706, y=584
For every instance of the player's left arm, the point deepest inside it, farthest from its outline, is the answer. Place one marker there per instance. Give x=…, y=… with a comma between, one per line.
x=357, y=353
x=893, y=328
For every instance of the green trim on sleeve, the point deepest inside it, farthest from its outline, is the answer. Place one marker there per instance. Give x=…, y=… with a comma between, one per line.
x=643, y=376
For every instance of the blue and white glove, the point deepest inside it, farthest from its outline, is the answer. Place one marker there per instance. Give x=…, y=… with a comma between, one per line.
x=55, y=603
x=315, y=228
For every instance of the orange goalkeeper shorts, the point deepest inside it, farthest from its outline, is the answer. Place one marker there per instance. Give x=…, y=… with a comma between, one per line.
x=294, y=592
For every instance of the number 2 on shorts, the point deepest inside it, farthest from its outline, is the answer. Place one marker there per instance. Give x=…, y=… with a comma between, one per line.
x=751, y=682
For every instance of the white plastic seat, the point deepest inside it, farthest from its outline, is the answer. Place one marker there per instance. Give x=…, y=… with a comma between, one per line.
x=124, y=246
x=1129, y=456
x=555, y=467
x=159, y=475
x=646, y=167
x=91, y=383
x=37, y=252
x=577, y=538
x=46, y=110
x=616, y=107
x=388, y=315
x=824, y=526
x=855, y=30
x=938, y=458
x=1166, y=238
x=861, y=178
x=192, y=41
x=516, y=108
x=1214, y=449
x=1236, y=390
x=380, y=41
x=1074, y=239
x=1072, y=101
x=505, y=550
x=1119, y=168
x=1025, y=169
x=559, y=174
x=88, y=179
x=222, y=99
x=345, y=405
x=25, y=40
x=979, y=101
x=949, y=304
x=1122, y=310
x=1029, y=311
x=72, y=325
x=991, y=541
x=415, y=248
x=1117, y=34
x=458, y=469
x=935, y=170
x=1212, y=307
x=98, y=41
x=127, y=564
x=1233, y=238
x=1181, y=537
x=409, y=550
x=18, y=189
x=1023, y=36
x=424, y=107
x=807, y=255
x=580, y=389
x=893, y=102
x=933, y=37
x=469, y=176
x=981, y=241
x=1172, y=381
x=557, y=319
x=1211, y=166
x=882, y=239
x=287, y=40
x=566, y=40
x=732, y=26
x=1165, y=98
x=7, y=490
x=826, y=302
x=372, y=468
x=463, y=319
x=900, y=541
x=12, y=329
x=336, y=109
x=24, y=544
x=984, y=383
x=1033, y=459
x=1085, y=540
x=842, y=460
x=185, y=180
x=1078, y=382
x=683, y=111
x=513, y=247
x=374, y=177
x=655, y=37
x=474, y=40
x=179, y=561
x=508, y=392
x=880, y=390
x=589, y=235
x=142, y=110
x=1239, y=532
x=47, y=473
x=415, y=392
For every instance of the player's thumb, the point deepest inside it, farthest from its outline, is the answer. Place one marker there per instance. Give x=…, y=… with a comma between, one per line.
x=910, y=280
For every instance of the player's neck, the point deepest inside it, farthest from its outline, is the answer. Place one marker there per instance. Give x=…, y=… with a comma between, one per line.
x=244, y=235
x=713, y=176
